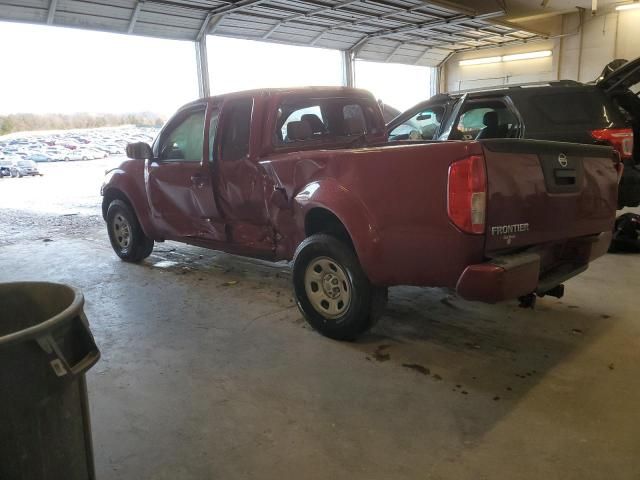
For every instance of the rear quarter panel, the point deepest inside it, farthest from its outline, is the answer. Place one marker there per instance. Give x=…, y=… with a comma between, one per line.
x=393, y=202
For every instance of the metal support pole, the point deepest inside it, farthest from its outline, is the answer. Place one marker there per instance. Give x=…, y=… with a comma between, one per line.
x=203, y=67
x=348, y=68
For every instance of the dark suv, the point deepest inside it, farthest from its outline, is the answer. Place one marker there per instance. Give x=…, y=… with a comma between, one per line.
x=605, y=112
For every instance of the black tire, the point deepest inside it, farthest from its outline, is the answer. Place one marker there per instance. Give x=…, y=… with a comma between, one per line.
x=365, y=301
x=138, y=246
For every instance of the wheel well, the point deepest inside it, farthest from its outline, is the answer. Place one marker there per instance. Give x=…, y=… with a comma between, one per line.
x=111, y=195
x=319, y=220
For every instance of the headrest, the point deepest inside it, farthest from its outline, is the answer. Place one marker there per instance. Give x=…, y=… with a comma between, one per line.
x=298, y=130
x=353, y=126
x=314, y=122
x=490, y=119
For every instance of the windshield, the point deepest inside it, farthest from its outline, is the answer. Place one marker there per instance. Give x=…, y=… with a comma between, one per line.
x=26, y=163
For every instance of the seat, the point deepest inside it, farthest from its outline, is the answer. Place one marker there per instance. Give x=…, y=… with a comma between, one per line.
x=317, y=125
x=492, y=127
x=353, y=126
x=298, y=131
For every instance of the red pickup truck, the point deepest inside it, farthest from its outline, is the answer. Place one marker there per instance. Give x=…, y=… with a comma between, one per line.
x=307, y=174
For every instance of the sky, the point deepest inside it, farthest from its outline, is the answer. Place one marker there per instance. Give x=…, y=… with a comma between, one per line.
x=63, y=70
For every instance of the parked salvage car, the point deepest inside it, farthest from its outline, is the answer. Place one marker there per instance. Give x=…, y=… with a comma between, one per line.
x=40, y=157
x=5, y=167
x=607, y=112
x=77, y=154
x=308, y=175
x=25, y=168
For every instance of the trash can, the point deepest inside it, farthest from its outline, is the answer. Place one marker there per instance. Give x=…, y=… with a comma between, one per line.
x=46, y=347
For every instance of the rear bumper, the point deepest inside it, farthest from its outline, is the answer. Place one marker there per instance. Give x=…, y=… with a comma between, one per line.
x=511, y=276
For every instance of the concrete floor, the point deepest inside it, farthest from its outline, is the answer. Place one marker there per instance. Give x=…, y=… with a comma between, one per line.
x=205, y=378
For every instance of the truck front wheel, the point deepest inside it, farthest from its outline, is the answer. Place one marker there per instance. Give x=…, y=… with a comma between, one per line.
x=125, y=234
x=332, y=291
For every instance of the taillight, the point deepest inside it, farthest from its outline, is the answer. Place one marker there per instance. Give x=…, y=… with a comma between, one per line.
x=467, y=194
x=619, y=138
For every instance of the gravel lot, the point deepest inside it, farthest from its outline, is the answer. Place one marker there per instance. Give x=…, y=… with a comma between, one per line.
x=65, y=201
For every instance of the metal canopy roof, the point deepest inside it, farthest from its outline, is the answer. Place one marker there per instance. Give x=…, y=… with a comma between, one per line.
x=401, y=31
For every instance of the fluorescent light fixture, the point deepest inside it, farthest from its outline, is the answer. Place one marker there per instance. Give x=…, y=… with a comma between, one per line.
x=628, y=6
x=481, y=61
x=526, y=56
x=507, y=58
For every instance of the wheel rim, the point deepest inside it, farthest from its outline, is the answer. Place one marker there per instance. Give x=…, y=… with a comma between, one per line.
x=121, y=231
x=328, y=287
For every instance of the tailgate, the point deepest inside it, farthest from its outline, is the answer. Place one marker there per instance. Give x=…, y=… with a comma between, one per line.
x=540, y=192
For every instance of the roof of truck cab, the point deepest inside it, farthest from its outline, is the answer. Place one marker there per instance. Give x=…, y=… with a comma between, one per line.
x=311, y=92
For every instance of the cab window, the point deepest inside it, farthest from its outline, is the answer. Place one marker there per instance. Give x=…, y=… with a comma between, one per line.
x=311, y=114
x=425, y=125
x=329, y=118
x=185, y=141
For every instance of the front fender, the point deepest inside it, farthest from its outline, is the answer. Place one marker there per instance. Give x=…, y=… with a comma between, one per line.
x=351, y=211
x=119, y=183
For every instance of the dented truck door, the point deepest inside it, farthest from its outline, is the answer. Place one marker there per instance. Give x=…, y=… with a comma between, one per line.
x=240, y=180
x=178, y=179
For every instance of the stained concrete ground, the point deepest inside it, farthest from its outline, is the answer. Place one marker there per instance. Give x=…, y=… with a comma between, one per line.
x=209, y=372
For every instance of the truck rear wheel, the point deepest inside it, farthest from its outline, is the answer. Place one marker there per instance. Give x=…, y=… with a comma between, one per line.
x=125, y=234
x=332, y=291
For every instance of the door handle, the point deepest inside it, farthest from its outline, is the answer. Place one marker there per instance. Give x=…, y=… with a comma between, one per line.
x=198, y=180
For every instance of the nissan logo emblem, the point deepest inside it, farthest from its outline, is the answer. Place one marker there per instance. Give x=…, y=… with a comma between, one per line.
x=562, y=160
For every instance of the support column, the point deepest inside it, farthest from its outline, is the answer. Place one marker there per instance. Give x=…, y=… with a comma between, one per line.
x=348, y=68
x=202, y=65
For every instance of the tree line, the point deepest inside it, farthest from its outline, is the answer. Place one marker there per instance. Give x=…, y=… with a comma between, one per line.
x=20, y=122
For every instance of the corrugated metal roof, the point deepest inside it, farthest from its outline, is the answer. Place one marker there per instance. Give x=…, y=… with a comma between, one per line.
x=401, y=31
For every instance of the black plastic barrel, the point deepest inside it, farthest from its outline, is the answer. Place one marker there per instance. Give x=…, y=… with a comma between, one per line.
x=46, y=347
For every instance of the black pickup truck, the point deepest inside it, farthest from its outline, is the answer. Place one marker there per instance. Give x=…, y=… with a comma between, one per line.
x=606, y=111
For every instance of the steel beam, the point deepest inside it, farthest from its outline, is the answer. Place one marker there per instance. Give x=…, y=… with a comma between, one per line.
x=395, y=50
x=308, y=14
x=205, y=25
x=203, y=67
x=134, y=16
x=53, y=4
x=214, y=25
x=424, y=26
x=348, y=69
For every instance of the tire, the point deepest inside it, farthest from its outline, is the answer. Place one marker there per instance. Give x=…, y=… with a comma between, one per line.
x=332, y=291
x=133, y=246
x=84, y=159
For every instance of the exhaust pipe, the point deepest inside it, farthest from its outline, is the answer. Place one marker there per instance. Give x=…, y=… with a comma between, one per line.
x=529, y=300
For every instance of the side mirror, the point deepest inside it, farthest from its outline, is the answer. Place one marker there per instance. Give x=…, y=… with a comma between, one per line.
x=139, y=151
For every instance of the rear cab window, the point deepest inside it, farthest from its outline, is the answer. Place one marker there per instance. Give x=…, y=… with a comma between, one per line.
x=311, y=121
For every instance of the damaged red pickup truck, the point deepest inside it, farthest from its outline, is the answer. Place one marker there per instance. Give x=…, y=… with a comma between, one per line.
x=307, y=174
